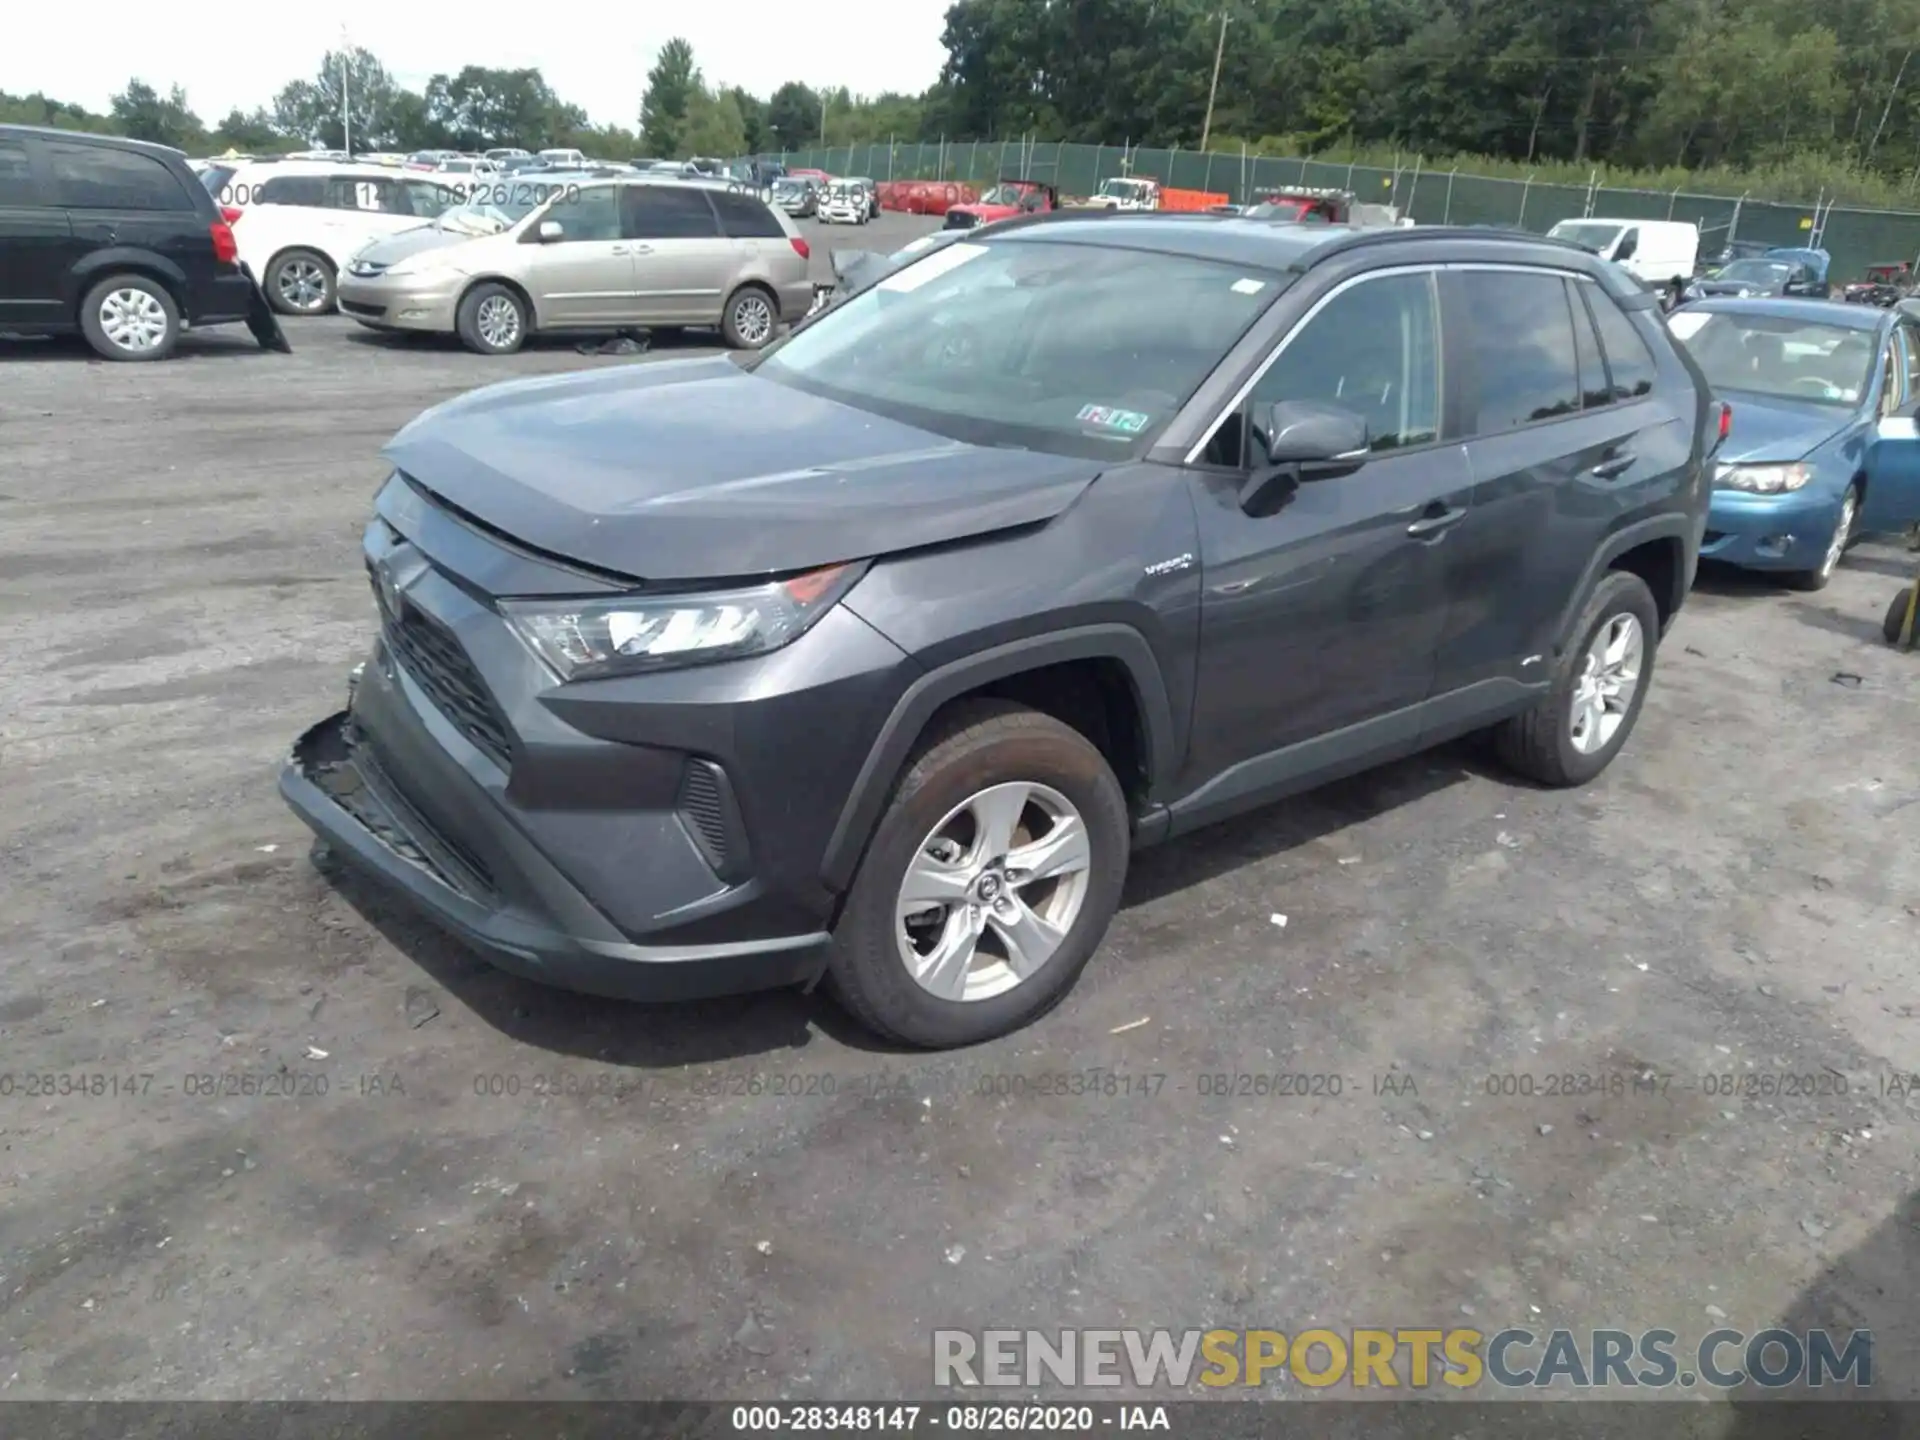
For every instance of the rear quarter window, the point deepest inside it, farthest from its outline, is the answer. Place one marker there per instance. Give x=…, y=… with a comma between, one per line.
x=292, y=190
x=99, y=177
x=743, y=217
x=1629, y=361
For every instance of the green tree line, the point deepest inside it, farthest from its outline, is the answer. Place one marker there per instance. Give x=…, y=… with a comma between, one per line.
x=1739, y=96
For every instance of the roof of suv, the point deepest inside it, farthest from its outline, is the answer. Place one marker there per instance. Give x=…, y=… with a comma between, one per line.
x=1240, y=241
x=87, y=137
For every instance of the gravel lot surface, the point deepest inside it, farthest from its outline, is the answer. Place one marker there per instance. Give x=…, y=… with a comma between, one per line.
x=528, y=1194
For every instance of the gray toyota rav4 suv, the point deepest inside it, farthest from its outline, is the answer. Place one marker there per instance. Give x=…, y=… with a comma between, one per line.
x=871, y=657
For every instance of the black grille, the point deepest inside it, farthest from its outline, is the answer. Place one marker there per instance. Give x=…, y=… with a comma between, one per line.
x=434, y=660
x=357, y=307
x=705, y=812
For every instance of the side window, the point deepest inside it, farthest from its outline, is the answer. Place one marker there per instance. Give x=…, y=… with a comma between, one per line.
x=745, y=218
x=1628, y=358
x=16, y=176
x=292, y=190
x=419, y=197
x=1522, y=344
x=1629, y=245
x=1594, y=389
x=350, y=192
x=590, y=214
x=96, y=177
x=669, y=212
x=1893, y=376
x=1373, y=349
x=1910, y=348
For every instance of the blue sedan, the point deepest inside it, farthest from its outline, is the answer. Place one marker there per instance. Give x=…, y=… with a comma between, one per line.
x=1823, y=447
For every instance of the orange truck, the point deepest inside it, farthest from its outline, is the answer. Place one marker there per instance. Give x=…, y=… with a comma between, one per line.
x=1143, y=192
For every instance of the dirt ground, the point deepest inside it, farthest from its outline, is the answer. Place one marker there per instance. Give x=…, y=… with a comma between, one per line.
x=479, y=1188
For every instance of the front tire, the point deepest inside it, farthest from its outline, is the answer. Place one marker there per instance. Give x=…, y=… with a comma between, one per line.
x=129, y=317
x=1837, y=543
x=1598, y=689
x=990, y=881
x=492, y=320
x=300, y=282
x=750, y=319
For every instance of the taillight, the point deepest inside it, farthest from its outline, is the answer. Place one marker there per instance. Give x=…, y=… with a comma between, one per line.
x=231, y=214
x=800, y=247
x=224, y=249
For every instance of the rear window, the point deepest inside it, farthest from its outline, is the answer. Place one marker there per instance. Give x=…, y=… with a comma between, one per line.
x=745, y=218
x=98, y=177
x=215, y=178
x=292, y=190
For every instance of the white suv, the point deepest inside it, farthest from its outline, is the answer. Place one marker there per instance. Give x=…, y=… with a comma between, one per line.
x=301, y=224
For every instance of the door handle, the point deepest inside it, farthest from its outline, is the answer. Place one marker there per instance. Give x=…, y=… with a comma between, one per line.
x=640, y=250
x=1435, y=521
x=619, y=250
x=1613, y=466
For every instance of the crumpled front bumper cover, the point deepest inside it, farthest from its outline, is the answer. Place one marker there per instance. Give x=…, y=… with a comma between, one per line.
x=336, y=785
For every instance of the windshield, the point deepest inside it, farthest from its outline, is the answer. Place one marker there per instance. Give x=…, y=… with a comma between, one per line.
x=1030, y=344
x=1588, y=235
x=1757, y=272
x=1122, y=189
x=1006, y=195
x=215, y=177
x=1782, y=356
x=496, y=207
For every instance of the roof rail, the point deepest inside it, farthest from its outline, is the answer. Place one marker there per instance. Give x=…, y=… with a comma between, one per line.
x=1361, y=238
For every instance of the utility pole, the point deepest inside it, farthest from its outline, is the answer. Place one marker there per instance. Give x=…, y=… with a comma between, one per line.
x=1214, y=89
x=823, y=119
x=346, y=99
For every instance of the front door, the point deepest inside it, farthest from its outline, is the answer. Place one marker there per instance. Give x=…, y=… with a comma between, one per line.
x=584, y=276
x=1327, y=613
x=682, y=263
x=1892, y=464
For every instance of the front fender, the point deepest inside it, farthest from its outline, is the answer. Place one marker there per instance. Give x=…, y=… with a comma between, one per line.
x=924, y=697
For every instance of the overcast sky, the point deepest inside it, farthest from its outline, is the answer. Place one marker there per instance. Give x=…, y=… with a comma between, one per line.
x=595, y=56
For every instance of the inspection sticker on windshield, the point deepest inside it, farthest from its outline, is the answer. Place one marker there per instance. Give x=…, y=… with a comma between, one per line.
x=1131, y=421
x=931, y=268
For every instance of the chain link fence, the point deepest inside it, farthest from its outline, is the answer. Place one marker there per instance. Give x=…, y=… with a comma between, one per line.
x=1855, y=238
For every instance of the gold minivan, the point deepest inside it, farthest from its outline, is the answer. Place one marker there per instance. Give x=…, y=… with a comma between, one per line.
x=597, y=254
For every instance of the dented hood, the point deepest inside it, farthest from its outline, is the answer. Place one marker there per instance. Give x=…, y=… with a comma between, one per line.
x=693, y=470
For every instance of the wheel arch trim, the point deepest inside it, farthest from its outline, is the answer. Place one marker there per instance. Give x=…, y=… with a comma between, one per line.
x=916, y=707
x=1672, y=526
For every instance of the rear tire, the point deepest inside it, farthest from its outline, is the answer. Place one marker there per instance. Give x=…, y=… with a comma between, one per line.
x=1897, y=616
x=492, y=320
x=300, y=282
x=750, y=319
x=129, y=317
x=1551, y=743
x=983, y=747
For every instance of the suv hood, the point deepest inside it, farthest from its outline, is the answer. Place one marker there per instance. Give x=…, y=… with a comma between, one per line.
x=699, y=470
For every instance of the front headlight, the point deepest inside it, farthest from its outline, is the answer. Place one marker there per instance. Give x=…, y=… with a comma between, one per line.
x=584, y=639
x=1763, y=479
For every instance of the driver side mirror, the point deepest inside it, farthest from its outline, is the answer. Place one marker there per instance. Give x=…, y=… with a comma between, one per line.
x=550, y=231
x=1302, y=440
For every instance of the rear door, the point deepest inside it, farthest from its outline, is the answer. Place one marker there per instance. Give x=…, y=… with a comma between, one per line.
x=683, y=265
x=119, y=199
x=586, y=276
x=1567, y=439
x=36, y=242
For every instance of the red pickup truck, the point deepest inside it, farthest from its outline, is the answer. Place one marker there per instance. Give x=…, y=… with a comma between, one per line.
x=1002, y=202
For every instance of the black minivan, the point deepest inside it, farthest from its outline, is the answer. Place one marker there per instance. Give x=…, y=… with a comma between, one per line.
x=117, y=240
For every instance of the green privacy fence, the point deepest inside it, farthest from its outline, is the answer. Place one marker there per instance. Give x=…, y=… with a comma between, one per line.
x=1856, y=238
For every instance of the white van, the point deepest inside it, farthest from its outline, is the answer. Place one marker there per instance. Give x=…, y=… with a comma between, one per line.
x=1657, y=251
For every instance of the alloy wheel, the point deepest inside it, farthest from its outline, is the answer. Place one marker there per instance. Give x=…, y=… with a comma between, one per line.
x=753, y=319
x=1609, y=678
x=303, y=284
x=498, y=321
x=993, y=891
